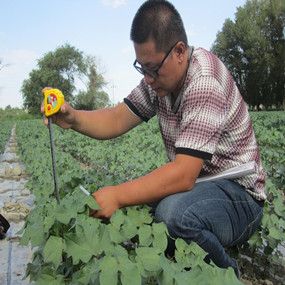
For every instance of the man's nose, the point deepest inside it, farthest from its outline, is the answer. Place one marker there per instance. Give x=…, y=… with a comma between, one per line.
x=148, y=79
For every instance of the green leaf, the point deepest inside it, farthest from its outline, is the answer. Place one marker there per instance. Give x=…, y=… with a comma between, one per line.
x=145, y=235
x=115, y=234
x=255, y=239
x=52, y=251
x=265, y=219
x=64, y=215
x=33, y=233
x=197, y=250
x=149, y=257
x=129, y=272
x=272, y=242
x=109, y=271
x=77, y=248
x=213, y=276
x=89, y=273
x=128, y=229
x=139, y=217
x=104, y=244
x=282, y=224
x=220, y=276
x=160, y=236
x=274, y=233
x=49, y=222
x=197, y=255
x=82, y=245
x=121, y=227
x=49, y=277
x=189, y=255
x=274, y=219
x=34, y=268
x=117, y=218
x=90, y=202
x=196, y=275
x=279, y=206
x=182, y=245
x=166, y=276
x=90, y=232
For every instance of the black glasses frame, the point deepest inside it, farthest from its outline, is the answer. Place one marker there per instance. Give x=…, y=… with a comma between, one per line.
x=153, y=72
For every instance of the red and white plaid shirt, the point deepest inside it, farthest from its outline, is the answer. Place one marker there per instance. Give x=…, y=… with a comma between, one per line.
x=210, y=120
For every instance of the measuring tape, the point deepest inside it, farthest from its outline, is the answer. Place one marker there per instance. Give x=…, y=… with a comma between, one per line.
x=54, y=99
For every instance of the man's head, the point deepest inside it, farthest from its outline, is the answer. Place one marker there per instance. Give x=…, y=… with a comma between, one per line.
x=161, y=46
x=158, y=20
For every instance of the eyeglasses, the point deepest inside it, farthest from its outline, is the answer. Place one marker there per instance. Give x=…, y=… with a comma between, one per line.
x=152, y=72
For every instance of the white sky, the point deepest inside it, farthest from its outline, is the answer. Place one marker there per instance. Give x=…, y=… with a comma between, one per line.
x=29, y=29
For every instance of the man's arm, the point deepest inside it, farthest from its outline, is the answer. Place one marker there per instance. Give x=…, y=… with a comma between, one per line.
x=173, y=177
x=99, y=124
x=105, y=123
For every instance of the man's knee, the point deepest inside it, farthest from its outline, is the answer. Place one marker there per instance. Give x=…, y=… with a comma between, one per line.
x=180, y=220
x=167, y=212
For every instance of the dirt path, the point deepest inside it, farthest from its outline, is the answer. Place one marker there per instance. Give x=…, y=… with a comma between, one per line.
x=15, y=204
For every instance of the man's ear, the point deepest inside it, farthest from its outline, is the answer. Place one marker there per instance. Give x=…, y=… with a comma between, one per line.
x=180, y=51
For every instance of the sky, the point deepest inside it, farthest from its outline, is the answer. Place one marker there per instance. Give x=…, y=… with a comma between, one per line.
x=29, y=29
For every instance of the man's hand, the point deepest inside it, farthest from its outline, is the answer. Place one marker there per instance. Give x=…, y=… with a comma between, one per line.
x=65, y=118
x=107, y=201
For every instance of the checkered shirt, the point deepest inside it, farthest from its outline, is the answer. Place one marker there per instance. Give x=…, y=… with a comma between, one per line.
x=212, y=121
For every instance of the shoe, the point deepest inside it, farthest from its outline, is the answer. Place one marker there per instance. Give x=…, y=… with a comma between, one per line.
x=4, y=226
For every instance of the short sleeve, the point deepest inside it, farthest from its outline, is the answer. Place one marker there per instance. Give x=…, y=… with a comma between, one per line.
x=142, y=101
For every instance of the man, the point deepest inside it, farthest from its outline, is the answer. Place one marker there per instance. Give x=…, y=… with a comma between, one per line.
x=206, y=129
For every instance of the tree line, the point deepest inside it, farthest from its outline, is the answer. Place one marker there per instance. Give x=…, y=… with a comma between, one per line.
x=253, y=48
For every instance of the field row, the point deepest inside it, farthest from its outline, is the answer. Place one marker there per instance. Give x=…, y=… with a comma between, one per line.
x=5, y=132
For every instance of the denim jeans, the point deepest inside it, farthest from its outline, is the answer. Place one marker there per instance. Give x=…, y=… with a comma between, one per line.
x=215, y=215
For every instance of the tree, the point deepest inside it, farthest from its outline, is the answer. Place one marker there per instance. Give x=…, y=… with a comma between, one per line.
x=60, y=69
x=227, y=48
x=94, y=97
x=57, y=69
x=276, y=25
x=252, y=48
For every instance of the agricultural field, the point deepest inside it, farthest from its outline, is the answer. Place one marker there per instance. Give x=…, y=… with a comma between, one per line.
x=72, y=248
x=5, y=132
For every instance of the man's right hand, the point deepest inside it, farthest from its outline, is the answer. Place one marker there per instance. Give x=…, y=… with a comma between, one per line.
x=65, y=118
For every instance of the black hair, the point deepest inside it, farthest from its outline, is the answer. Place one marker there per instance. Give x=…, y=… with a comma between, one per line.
x=158, y=20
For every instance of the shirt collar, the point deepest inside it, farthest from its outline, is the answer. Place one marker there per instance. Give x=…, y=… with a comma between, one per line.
x=179, y=98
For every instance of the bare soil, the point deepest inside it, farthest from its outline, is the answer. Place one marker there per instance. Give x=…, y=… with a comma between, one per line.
x=260, y=272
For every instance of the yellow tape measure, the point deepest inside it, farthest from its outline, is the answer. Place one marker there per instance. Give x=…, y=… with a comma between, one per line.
x=54, y=99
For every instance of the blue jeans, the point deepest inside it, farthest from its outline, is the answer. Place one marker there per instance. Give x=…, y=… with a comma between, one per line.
x=215, y=215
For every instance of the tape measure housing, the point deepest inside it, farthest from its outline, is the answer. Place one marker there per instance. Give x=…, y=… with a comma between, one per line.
x=54, y=99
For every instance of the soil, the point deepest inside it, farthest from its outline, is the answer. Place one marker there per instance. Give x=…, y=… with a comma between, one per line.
x=258, y=274
x=15, y=211
x=15, y=205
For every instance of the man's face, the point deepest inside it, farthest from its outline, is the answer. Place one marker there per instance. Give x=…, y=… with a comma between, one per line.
x=170, y=74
